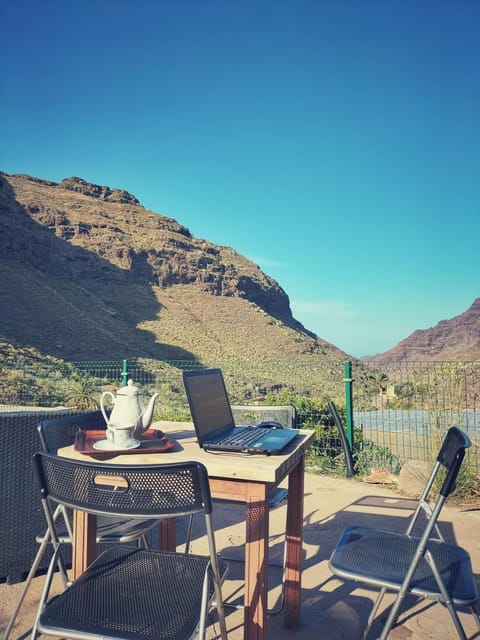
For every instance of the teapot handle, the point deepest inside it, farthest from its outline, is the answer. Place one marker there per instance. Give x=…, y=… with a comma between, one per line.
x=106, y=393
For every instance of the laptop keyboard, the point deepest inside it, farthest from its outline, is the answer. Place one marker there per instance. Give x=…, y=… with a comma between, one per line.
x=245, y=437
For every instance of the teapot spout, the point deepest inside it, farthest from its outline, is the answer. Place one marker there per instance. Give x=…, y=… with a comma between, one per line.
x=145, y=419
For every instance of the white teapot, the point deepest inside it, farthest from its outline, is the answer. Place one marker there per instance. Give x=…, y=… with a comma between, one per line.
x=128, y=409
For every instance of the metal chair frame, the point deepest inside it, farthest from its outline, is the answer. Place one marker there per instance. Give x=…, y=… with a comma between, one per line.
x=423, y=565
x=129, y=591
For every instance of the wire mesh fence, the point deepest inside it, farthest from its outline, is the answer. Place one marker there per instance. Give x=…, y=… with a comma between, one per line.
x=400, y=409
x=403, y=409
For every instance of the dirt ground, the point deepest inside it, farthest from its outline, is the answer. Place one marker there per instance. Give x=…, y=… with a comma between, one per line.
x=331, y=609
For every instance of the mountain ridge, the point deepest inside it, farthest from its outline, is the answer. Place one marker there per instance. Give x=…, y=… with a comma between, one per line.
x=86, y=272
x=452, y=339
x=119, y=230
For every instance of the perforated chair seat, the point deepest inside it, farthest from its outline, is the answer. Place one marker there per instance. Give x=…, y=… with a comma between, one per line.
x=384, y=554
x=119, y=596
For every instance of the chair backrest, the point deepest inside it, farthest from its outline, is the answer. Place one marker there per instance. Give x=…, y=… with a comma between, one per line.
x=137, y=491
x=60, y=432
x=451, y=457
x=253, y=414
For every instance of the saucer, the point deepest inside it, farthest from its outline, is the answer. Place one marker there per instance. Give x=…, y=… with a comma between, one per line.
x=108, y=445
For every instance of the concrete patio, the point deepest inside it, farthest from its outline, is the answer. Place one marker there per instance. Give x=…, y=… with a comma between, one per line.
x=331, y=609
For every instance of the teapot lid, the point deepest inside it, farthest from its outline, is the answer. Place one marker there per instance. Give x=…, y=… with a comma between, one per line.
x=130, y=390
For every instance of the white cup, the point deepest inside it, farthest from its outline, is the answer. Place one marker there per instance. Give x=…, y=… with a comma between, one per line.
x=121, y=437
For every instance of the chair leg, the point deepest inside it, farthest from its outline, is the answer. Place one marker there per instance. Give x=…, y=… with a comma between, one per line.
x=392, y=616
x=446, y=597
x=373, y=612
x=28, y=581
x=55, y=562
x=456, y=620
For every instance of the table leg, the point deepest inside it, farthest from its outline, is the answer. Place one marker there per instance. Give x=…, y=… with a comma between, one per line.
x=84, y=541
x=294, y=540
x=167, y=530
x=256, y=551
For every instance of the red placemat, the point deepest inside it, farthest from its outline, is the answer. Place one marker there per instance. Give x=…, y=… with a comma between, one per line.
x=152, y=441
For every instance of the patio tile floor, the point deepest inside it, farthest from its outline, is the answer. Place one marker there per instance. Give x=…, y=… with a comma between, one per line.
x=331, y=609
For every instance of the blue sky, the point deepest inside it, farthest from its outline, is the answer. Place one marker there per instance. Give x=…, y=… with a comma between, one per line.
x=335, y=143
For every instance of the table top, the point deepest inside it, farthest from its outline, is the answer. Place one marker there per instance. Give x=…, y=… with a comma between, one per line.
x=242, y=467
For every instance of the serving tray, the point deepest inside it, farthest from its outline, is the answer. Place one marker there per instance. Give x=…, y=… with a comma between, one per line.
x=151, y=441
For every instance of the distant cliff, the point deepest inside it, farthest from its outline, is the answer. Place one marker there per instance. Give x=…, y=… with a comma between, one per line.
x=458, y=338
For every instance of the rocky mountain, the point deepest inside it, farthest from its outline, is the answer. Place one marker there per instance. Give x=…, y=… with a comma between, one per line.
x=454, y=339
x=87, y=273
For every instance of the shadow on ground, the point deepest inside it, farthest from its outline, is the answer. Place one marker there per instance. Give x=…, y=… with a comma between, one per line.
x=330, y=608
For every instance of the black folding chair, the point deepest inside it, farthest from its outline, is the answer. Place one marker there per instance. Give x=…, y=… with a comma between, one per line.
x=130, y=592
x=424, y=566
x=54, y=434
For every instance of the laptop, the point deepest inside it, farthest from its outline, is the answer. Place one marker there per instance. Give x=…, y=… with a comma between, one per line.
x=213, y=419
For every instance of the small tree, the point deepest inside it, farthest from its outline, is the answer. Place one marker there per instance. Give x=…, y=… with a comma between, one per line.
x=82, y=394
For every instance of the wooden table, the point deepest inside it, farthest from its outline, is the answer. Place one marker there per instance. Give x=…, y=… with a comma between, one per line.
x=248, y=479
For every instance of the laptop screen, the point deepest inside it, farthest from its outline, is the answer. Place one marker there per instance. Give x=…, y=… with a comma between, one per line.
x=209, y=404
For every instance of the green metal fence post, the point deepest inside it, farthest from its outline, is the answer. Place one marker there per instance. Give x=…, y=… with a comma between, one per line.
x=348, y=401
x=124, y=373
